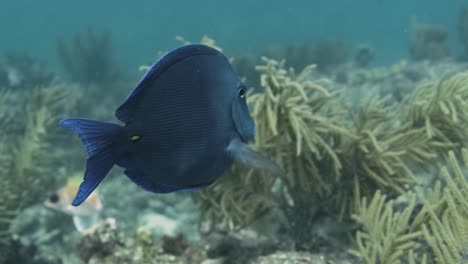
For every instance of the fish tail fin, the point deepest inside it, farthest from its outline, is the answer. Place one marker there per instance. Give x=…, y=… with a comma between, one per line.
x=99, y=140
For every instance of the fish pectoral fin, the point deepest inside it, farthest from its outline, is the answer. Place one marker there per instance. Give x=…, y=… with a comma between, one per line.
x=243, y=153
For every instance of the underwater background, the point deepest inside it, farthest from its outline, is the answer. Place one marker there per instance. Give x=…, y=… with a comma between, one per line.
x=362, y=104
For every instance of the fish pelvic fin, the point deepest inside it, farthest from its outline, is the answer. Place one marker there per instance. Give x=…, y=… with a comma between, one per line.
x=99, y=140
x=243, y=153
x=83, y=223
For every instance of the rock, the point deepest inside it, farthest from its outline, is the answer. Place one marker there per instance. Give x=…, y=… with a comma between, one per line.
x=100, y=240
x=299, y=258
x=158, y=224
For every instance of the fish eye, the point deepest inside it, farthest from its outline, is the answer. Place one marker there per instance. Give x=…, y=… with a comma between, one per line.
x=241, y=92
x=54, y=198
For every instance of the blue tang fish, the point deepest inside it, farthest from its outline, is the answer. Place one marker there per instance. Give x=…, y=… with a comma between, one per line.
x=186, y=121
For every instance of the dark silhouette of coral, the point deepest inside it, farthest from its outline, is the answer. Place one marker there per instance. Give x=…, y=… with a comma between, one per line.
x=326, y=54
x=244, y=65
x=20, y=70
x=428, y=42
x=463, y=30
x=363, y=56
x=88, y=58
x=329, y=54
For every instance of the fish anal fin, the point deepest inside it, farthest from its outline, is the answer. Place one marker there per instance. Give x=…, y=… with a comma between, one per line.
x=138, y=177
x=84, y=222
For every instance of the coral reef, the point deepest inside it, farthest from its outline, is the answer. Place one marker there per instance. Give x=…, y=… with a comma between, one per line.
x=334, y=160
x=88, y=58
x=30, y=164
x=428, y=42
x=330, y=163
x=353, y=165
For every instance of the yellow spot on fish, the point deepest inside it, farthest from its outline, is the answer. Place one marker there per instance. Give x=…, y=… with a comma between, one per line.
x=134, y=138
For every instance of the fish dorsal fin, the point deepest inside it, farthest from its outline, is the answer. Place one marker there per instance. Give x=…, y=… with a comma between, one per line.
x=125, y=112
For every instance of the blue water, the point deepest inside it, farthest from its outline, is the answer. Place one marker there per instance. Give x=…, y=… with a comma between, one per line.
x=141, y=28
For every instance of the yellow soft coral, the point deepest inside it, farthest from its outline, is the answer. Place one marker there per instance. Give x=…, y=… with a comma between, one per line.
x=292, y=118
x=28, y=159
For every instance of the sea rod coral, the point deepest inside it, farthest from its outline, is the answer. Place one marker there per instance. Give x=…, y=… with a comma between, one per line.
x=88, y=58
x=297, y=127
x=28, y=160
x=435, y=232
x=331, y=163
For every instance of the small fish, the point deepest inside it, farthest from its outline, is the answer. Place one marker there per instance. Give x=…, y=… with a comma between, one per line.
x=84, y=216
x=186, y=121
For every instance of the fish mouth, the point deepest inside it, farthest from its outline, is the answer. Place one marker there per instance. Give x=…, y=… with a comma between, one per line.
x=250, y=136
x=245, y=138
